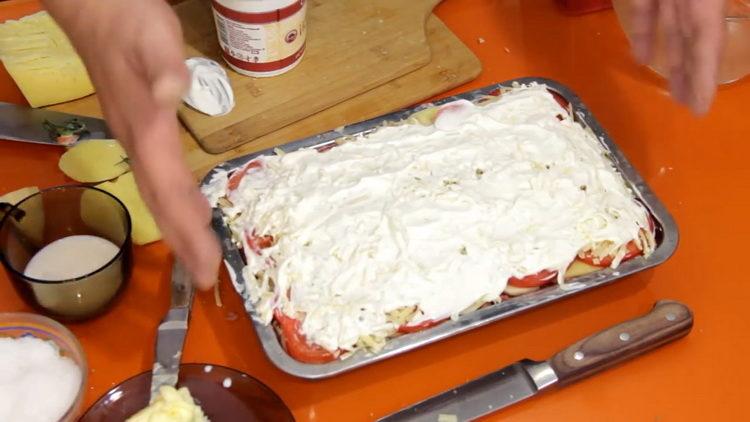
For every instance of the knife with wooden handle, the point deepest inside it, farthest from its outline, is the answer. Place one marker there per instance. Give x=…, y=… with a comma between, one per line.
x=667, y=321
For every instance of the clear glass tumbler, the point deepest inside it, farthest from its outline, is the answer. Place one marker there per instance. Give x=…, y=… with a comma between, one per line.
x=735, y=62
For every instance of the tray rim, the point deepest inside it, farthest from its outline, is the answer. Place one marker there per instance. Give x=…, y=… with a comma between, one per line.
x=267, y=335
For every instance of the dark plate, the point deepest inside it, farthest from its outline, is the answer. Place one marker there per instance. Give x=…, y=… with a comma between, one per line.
x=247, y=399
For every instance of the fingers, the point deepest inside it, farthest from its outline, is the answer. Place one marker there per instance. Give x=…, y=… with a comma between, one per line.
x=692, y=33
x=163, y=61
x=169, y=188
x=674, y=46
x=643, y=22
x=136, y=62
x=178, y=206
x=706, y=46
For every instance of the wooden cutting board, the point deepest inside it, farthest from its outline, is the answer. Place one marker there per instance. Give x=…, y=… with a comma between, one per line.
x=452, y=64
x=353, y=46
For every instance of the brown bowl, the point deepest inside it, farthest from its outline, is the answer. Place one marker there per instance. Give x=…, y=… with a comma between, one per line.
x=246, y=399
x=56, y=213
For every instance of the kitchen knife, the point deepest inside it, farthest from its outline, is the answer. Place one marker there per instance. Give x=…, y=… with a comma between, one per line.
x=170, y=336
x=21, y=123
x=667, y=321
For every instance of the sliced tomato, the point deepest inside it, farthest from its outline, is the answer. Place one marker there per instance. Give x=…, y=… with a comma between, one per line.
x=67, y=140
x=258, y=243
x=542, y=278
x=406, y=329
x=237, y=176
x=632, y=250
x=606, y=261
x=651, y=224
x=564, y=103
x=296, y=344
x=323, y=148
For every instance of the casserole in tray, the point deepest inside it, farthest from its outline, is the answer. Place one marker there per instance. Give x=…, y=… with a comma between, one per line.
x=637, y=231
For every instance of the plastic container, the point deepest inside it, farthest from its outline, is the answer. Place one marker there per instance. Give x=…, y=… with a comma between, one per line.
x=261, y=38
x=735, y=61
x=21, y=324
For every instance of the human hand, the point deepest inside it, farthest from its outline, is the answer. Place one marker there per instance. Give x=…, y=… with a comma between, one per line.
x=693, y=33
x=133, y=51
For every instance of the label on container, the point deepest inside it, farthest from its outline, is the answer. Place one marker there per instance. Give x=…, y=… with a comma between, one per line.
x=261, y=42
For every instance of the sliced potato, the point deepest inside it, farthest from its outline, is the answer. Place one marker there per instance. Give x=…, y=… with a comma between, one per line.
x=18, y=195
x=424, y=117
x=578, y=268
x=518, y=291
x=124, y=188
x=103, y=215
x=94, y=161
x=32, y=223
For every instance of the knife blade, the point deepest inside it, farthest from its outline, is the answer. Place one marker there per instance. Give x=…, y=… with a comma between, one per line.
x=170, y=336
x=41, y=126
x=667, y=321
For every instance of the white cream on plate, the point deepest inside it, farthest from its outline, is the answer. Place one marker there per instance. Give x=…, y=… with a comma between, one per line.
x=210, y=91
x=437, y=216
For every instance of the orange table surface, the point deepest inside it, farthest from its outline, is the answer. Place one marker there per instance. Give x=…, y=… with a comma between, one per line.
x=697, y=166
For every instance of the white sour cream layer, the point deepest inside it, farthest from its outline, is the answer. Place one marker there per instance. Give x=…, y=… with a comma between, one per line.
x=438, y=217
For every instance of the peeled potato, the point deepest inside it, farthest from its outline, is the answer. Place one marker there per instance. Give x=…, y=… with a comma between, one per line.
x=32, y=223
x=144, y=227
x=424, y=117
x=103, y=215
x=578, y=268
x=18, y=195
x=94, y=161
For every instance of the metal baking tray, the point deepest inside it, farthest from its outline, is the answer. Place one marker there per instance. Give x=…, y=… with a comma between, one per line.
x=667, y=238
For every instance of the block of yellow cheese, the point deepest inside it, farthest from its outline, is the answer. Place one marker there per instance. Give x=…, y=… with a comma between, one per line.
x=42, y=62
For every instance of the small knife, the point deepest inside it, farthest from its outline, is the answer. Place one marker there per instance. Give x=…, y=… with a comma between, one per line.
x=40, y=126
x=667, y=321
x=170, y=336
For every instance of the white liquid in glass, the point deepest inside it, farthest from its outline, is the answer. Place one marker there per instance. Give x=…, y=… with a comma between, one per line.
x=71, y=257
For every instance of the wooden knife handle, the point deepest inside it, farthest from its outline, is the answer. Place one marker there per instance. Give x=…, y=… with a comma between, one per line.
x=667, y=321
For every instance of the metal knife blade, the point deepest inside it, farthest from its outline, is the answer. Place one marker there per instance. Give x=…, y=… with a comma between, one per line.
x=170, y=336
x=25, y=124
x=667, y=321
x=483, y=395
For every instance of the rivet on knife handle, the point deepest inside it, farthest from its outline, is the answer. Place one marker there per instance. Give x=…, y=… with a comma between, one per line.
x=667, y=321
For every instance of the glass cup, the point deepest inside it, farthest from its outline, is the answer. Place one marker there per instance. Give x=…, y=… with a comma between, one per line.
x=51, y=215
x=735, y=60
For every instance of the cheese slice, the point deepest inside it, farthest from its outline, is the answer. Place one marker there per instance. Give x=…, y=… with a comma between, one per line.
x=42, y=62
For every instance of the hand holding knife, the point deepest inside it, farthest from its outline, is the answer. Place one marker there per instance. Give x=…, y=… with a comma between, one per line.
x=667, y=321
